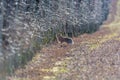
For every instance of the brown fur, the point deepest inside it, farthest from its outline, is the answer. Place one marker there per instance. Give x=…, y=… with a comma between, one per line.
x=61, y=39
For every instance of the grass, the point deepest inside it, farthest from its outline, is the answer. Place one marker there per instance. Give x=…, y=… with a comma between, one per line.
x=96, y=43
x=60, y=66
x=49, y=78
x=16, y=78
x=114, y=28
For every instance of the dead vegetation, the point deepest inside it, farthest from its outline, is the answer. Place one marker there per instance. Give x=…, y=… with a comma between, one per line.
x=93, y=57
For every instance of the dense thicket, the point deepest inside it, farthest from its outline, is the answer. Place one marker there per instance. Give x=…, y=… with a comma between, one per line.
x=27, y=24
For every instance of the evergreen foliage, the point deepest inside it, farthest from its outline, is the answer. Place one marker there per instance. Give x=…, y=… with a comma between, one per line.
x=28, y=24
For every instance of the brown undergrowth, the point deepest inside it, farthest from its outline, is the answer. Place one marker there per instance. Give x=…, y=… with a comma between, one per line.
x=93, y=57
x=52, y=60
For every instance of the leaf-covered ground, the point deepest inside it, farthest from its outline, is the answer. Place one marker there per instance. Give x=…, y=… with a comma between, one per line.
x=93, y=57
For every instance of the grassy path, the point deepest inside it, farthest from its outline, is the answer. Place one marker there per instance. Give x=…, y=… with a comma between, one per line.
x=93, y=57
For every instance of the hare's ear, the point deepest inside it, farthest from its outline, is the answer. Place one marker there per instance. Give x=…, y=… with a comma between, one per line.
x=60, y=34
x=57, y=38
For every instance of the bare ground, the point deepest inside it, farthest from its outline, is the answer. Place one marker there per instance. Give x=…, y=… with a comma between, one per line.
x=93, y=57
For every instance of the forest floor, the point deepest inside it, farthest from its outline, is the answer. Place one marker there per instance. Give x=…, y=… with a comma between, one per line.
x=93, y=56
